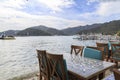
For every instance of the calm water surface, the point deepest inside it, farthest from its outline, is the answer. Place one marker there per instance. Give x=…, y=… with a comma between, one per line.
x=18, y=57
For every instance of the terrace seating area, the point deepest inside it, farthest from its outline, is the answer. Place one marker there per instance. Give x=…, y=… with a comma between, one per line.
x=82, y=63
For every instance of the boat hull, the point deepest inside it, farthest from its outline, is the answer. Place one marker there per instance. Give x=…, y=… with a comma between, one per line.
x=7, y=38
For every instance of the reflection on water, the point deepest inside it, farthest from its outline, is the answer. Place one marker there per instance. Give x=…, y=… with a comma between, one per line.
x=19, y=56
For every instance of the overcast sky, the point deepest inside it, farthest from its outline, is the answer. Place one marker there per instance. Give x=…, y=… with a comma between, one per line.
x=60, y=14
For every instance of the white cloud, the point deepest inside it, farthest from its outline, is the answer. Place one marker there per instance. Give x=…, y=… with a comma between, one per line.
x=105, y=11
x=10, y=18
x=108, y=8
x=20, y=20
x=56, y=5
x=17, y=4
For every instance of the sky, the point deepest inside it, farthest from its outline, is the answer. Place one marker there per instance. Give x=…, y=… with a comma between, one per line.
x=59, y=14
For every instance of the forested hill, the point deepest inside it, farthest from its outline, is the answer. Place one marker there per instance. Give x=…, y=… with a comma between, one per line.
x=39, y=31
x=106, y=28
x=32, y=32
x=111, y=27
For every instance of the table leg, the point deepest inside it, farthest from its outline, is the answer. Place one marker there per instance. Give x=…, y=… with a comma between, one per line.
x=101, y=76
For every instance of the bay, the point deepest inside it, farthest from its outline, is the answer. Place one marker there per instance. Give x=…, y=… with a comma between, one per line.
x=18, y=57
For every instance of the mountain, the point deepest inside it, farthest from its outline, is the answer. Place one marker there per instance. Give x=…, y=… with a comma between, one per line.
x=111, y=27
x=51, y=31
x=75, y=30
x=106, y=28
x=32, y=32
x=10, y=32
x=39, y=31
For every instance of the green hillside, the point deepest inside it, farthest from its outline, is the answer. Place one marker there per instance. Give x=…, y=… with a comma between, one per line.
x=105, y=28
x=32, y=32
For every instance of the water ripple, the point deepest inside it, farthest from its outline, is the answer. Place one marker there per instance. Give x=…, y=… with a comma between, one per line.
x=19, y=56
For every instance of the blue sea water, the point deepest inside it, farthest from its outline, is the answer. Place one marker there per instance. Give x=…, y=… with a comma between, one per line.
x=18, y=57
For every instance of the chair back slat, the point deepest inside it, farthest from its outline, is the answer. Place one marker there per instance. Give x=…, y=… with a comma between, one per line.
x=112, y=47
x=116, y=52
x=106, y=49
x=56, y=67
x=43, y=64
x=116, y=46
x=77, y=49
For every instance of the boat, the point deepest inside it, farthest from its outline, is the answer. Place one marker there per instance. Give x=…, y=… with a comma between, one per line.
x=7, y=38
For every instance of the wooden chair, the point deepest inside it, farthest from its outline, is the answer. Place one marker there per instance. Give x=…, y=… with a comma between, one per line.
x=93, y=53
x=77, y=49
x=102, y=75
x=57, y=67
x=112, y=48
x=93, y=47
x=98, y=48
x=106, y=50
x=116, y=74
x=43, y=65
x=116, y=53
x=115, y=47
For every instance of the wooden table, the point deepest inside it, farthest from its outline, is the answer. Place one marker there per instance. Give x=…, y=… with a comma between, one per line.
x=86, y=68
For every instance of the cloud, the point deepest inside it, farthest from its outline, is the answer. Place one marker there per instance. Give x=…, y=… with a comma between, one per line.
x=105, y=11
x=108, y=8
x=16, y=4
x=12, y=18
x=57, y=5
x=13, y=14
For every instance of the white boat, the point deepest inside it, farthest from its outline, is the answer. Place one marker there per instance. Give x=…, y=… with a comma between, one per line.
x=7, y=38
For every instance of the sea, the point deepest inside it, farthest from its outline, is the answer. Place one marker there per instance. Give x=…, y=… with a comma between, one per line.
x=19, y=57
